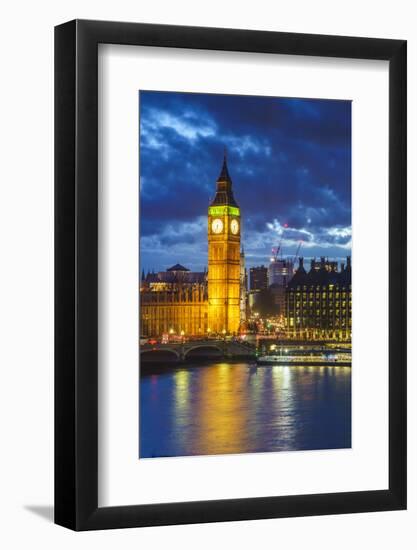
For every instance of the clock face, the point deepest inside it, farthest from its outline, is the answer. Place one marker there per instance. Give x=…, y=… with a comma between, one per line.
x=217, y=226
x=234, y=227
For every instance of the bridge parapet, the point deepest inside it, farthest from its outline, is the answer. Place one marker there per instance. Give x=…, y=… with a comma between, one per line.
x=181, y=350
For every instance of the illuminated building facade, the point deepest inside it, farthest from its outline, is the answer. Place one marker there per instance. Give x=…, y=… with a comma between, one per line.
x=181, y=302
x=173, y=302
x=318, y=304
x=243, y=289
x=224, y=258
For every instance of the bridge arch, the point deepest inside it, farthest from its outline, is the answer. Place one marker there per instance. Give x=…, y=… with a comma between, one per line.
x=203, y=350
x=159, y=355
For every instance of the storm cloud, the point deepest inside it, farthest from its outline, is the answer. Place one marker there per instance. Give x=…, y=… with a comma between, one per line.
x=289, y=159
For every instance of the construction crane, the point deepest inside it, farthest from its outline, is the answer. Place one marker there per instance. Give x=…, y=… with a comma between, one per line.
x=276, y=251
x=298, y=251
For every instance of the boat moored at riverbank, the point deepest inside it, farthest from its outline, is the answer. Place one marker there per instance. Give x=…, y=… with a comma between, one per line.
x=319, y=359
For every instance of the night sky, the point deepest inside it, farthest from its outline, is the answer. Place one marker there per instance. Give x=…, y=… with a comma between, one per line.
x=289, y=160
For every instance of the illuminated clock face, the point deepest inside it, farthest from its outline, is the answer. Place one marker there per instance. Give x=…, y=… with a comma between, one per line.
x=234, y=227
x=217, y=226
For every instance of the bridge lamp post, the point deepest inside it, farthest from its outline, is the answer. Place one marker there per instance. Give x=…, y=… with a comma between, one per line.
x=224, y=341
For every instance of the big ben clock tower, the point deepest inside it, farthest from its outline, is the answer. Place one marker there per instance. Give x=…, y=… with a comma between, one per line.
x=224, y=258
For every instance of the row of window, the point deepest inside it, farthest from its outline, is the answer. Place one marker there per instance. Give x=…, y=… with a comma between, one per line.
x=309, y=313
x=320, y=288
x=317, y=295
x=300, y=323
x=169, y=313
x=312, y=302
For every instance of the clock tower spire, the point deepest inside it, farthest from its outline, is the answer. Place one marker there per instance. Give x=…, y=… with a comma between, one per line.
x=224, y=194
x=223, y=257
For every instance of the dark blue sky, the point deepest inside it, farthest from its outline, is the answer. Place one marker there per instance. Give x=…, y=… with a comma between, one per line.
x=289, y=159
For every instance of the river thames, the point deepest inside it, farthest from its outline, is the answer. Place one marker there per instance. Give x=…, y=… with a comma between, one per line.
x=222, y=408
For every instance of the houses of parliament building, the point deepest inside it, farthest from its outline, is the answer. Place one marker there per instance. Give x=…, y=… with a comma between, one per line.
x=318, y=302
x=179, y=301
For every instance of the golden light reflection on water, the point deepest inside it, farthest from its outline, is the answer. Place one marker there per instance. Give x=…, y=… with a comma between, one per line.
x=234, y=408
x=281, y=377
x=283, y=407
x=182, y=393
x=222, y=412
x=181, y=412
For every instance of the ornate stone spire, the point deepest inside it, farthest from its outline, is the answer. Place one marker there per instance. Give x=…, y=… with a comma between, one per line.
x=224, y=174
x=224, y=194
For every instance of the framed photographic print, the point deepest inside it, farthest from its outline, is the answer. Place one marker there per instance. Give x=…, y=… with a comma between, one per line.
x=230, y=275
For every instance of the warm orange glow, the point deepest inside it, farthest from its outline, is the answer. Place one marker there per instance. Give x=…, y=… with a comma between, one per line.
x=223, y=274
x=221, y=430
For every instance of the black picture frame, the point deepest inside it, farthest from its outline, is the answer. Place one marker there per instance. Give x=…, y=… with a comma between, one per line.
x=76, y=272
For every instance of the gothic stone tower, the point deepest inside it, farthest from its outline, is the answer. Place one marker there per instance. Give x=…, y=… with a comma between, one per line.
x=224, y=258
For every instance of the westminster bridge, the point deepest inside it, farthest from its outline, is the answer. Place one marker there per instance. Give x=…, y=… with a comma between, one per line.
x=195, y=349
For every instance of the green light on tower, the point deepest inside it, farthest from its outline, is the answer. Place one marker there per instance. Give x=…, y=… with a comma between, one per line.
x=223, y=210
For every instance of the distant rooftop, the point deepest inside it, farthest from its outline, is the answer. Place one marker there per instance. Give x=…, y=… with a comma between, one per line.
x=322, y=273
x=176, y=274
x=178, y=267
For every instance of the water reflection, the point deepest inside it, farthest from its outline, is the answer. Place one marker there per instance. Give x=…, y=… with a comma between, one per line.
x=235, y=408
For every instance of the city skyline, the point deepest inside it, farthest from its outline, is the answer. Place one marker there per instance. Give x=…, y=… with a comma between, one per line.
x=226, y=368
x=289, y=159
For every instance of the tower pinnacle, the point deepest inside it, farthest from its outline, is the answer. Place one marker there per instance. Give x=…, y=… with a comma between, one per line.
x=224, y=194
x=224, y=174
